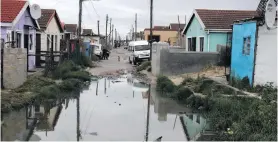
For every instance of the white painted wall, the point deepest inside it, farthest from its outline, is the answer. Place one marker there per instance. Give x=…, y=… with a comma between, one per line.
x=52, y=29
x=266, y=57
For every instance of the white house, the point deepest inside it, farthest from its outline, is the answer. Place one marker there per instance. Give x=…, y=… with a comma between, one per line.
x=51, y=30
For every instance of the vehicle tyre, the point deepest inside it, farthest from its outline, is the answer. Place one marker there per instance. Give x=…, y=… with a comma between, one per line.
x=129, y=60
x=134, y=61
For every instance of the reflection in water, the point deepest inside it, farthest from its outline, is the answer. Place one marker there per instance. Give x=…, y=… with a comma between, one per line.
x=115, y=116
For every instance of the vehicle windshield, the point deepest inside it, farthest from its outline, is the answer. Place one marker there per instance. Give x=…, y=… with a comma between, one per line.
x=142, y=47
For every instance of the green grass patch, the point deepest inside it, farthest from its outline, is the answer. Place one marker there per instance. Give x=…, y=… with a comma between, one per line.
x=81, y=75
x=143, y=66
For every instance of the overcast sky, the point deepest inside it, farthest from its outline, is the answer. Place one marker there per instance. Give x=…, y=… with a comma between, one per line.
x=123, y=12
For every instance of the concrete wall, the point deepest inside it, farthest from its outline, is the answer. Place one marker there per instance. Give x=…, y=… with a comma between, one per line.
x=266, y=56
x=15, y=67
x=173, y=61
x=242, y=65
x=195, y=30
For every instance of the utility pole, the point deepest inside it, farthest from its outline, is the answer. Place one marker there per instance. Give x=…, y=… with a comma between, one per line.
x=110, y=31
x=115, y=34
x=98, y=27
x=135, y=36
x=133, y=33
x=151, y=31
x=80, y=19
x=112, y=35
x=106, y=31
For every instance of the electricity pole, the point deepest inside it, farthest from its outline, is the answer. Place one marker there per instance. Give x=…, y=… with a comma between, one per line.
x=151, y=28
x=110, y=31
x=112, y=35
x=80, y=19
x=98, y=27
x=106, y=31
x=135, y=36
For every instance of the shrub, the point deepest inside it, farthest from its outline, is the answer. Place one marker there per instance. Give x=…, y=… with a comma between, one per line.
x=182, y=94
x=149, y=69
x=50, y=91
x=70, y=84
x=64, y=68
x=143, y=66
x=164, y=84
x=83, y=61
x=81, y=75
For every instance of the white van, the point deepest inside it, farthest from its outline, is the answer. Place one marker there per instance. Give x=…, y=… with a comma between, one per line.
x=97, y=49
x=140, y=51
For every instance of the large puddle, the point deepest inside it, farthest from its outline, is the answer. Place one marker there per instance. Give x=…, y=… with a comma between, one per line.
x=111, y=110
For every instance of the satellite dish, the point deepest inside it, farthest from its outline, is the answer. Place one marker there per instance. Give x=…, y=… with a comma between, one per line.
x=35, y=11
x=270, y=13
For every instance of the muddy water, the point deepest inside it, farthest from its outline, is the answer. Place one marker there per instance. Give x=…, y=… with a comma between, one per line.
x=111, y=109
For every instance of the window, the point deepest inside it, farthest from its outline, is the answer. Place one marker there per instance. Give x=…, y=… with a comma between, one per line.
x=198, y=119
x=191, y=116
x=189, y=43
x=18, y=40
x=56, y=40
x=246, y=45
x=48, y=42
x=201, y=44
x=31, y=42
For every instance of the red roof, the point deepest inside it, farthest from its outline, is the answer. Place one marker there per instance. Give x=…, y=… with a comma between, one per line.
x=46, y=17
x=223, y=19
x=10, y=9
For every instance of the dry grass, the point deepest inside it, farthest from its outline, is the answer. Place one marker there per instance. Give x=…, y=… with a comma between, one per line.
x=210, y=71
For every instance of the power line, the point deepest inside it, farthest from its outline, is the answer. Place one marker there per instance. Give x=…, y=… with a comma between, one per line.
x=95, y=9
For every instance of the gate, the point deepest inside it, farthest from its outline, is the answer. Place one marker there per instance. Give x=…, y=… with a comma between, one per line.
x=2, y=63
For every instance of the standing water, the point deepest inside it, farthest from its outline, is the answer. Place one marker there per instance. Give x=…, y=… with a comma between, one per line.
x=111, y=109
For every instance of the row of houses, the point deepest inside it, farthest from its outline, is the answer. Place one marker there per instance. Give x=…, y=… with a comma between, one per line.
x=20, y=30
x=253, y=44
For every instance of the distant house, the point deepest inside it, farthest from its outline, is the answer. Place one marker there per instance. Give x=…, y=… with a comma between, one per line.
x=164, y=33
x=87, y=35
x=18, y=28
x=51, y=30
x=254, y=50
x=70, y=31
x=208, y=28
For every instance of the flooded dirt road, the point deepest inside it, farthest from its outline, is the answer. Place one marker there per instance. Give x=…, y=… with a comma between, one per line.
x=116, y=113
x=111, y=109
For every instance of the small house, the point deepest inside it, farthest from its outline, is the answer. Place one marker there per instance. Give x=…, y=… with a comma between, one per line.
x=18, y=28
x=51, y=30
x=70, y=31
x=254, y=49
x=208, y=28
x=164, y=33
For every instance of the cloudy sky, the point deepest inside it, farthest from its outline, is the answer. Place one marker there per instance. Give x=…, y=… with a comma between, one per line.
x=123, y=12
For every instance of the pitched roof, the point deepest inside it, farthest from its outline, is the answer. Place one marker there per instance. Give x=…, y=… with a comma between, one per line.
x=87, y=32
x=176, y=26
x=10, y=9
x=223, y=19
x=71, y=28
x=46, y=17
x=160, y=27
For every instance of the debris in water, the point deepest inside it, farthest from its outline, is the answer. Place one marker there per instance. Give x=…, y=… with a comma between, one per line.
x=106, y=96
x=115, y=102
x=159, y=139
x=116, y=81
x=93, y=133
x=120, y=104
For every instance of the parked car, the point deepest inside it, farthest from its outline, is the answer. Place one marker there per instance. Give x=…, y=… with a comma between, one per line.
x=140, y=51
x=97, y=50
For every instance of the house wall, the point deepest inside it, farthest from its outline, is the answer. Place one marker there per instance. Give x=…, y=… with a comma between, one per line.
x=215, y=39
x=266, y=56
x=243, y=65
x=4, y=33
x=164, y=35
x=195, y=30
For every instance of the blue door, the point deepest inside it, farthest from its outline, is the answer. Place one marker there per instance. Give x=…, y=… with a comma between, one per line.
x=243, y=50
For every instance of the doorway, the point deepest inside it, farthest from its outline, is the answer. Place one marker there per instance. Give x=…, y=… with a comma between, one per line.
x=38, y=50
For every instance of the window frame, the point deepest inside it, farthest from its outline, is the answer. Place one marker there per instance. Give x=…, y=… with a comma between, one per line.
x=199, y=38
x=189, y=46
x=18, y=40
x=246, y=49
